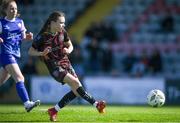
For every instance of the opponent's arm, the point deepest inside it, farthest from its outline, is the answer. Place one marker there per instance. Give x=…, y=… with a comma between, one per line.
x=69, y=47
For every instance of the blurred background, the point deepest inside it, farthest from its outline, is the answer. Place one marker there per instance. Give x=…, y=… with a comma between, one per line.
x=122, y=50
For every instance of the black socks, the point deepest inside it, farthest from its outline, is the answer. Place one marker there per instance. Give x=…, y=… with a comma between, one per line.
x=85, y=95
x=66, y=99
x=70, y=96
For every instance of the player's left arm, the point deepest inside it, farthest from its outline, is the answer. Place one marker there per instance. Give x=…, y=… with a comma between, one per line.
x=69, y=47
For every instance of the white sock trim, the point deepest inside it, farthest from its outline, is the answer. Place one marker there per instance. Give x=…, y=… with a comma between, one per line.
x=57, y=107
x=95, y=104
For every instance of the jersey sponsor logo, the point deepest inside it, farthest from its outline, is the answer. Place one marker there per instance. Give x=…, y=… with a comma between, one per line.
x=13, y=36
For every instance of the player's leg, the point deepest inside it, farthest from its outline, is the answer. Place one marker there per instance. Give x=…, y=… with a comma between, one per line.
x=15, y=72
x=77, y=88
x=4, y=76
x=63, y=102
x=66, y=99
x=59, y=75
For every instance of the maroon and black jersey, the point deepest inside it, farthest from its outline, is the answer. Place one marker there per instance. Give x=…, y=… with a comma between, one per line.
x=56, y=59
x=54, y=41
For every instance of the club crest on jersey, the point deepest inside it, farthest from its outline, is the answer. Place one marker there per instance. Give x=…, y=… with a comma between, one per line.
x=19, y=25
x=61, y=37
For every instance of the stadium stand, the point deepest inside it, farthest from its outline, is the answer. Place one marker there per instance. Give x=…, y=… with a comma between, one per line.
x=139, y=27
x=37, y=13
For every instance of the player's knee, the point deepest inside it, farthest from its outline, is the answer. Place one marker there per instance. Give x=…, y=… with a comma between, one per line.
x=20, y=78
x=76, y=83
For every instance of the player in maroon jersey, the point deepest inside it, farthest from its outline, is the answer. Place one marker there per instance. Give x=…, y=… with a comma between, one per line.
x=53, y=45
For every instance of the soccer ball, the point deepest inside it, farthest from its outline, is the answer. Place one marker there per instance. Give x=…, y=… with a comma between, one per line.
x=156, y=98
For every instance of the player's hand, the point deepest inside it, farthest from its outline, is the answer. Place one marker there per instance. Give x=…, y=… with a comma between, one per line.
x=66, y=51
x=46, y=51
x=1, y=40
x=29, y=36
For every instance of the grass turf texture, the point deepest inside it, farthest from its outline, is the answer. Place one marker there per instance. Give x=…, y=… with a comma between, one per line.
x=16, y=113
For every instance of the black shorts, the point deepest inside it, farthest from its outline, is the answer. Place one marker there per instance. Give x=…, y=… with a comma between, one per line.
x=60, y=72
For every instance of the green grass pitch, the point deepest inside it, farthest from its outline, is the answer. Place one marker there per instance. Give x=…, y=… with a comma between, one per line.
x=114, y=114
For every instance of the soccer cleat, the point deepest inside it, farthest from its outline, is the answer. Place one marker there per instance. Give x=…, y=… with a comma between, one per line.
x=52, y=114
x=32, y=104
x=101, y=106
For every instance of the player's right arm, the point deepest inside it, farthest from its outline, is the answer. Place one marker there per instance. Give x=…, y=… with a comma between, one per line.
x=36, y=48
x=33, y=52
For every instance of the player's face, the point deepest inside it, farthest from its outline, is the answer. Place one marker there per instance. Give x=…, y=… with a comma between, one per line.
x=59, y=24
x=11, y=10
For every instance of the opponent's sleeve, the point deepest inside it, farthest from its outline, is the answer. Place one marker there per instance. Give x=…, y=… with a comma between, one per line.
x=66, y=37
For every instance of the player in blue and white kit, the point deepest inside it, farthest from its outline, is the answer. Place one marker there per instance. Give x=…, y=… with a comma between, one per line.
x=12, y=32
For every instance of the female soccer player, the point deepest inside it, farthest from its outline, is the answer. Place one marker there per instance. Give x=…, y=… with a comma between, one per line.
x=53, y=45
x=12, y=32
